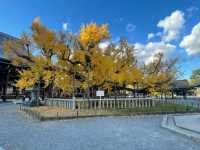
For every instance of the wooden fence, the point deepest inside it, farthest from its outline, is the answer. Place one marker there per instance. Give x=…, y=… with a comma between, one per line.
x=101, y=104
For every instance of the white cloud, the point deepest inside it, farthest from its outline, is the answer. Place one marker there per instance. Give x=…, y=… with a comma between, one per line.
x=146, y=53
x=65, y=26
x=104, y=45
x=172, y=25
x=130, y=27
x=191, y=42
x=158, y=34
x=150, y=36
x=36, y=20
x=191, y=10
x=153, y=35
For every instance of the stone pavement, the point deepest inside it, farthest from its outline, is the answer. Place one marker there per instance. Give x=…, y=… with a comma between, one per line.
x=19, y=132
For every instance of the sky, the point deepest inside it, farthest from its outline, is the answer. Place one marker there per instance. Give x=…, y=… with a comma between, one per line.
x=168, y=26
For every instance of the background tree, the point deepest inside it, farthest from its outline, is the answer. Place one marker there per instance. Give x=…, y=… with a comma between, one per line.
x=159, y=74
x=195, y=77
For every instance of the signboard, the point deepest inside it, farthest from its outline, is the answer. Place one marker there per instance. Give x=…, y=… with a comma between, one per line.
x=100, y=93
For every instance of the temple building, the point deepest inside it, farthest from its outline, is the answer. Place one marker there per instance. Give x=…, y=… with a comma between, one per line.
x=8, y=73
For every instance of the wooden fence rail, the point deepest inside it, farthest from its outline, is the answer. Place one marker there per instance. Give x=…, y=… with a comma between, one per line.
x=101, y=104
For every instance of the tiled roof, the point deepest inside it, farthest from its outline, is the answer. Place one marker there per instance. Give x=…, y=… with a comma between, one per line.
x=180, y=84
x=3, y=37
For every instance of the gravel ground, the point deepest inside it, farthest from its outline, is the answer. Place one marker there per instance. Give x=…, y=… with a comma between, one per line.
x=19, y=132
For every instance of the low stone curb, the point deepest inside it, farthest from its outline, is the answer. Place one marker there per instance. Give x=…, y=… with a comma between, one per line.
x=182, y=127
x=164, y=122
x=40, y=117
x=173, y=127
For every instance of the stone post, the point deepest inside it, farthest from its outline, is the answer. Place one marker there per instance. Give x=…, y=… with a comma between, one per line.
x=74, y=103
x=107, y=104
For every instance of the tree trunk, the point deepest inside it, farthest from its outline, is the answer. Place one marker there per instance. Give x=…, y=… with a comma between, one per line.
x=172, y=95
x=115, y=91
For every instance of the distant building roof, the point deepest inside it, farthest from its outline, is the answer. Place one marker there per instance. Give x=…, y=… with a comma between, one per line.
x=180, y=84
x=3, y=38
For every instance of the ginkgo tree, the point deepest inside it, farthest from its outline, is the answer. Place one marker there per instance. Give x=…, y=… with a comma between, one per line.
x=68, y=62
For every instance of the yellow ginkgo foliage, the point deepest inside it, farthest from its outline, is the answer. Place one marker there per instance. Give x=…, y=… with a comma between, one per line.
x=47, y=77
x=92, y=33
x=27, y=79
x=44, y=38
x=63, y=81
x=102, y=69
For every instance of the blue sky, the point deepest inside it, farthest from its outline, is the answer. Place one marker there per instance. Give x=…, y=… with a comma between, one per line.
x=133, y=19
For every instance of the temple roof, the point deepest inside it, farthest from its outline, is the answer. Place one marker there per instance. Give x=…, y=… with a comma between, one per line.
x=180, y=84
x=3, y=37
